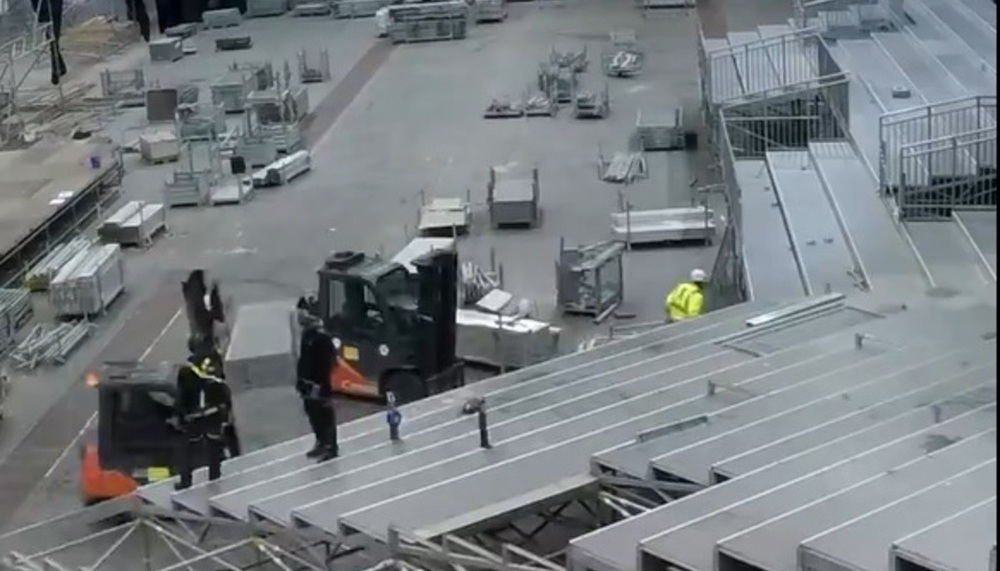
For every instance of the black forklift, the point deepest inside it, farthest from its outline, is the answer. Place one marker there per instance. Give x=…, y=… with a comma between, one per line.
x=393, y=330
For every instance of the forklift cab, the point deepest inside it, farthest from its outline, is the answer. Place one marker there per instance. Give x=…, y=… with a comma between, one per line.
x=392, y=331
x=369, y=308
x=136, y=435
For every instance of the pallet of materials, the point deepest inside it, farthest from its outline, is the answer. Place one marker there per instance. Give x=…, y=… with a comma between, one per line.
x=358, y=8
x=262, y=345
x=165, y=50
x=264, y=8
x=504, y=341
x=665, y=225
x=159, y=147
x=312, y=9
x=222, y=18
x=283, y=170
x=445, y=216
x=491, y=11
x=232, y=189
x=513, y=202
x=15, y=312
x=89, y=283
x=50, y=344
x=503, y=109
x=433, y=21
x=39, y=276
x=660, y=132
x=134, y=224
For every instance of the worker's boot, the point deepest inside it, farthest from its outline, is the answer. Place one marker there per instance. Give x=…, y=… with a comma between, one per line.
x=328, y=453
x=317, y=450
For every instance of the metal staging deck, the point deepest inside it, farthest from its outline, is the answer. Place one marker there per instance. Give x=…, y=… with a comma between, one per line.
x=946, y=544
x=546, y=425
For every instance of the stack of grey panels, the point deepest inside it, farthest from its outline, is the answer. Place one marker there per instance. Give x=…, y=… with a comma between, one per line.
x=39, y=276
x=15, y=311
x=262, y=8
x=261, y=348
x=134, y=224
x=89, y=283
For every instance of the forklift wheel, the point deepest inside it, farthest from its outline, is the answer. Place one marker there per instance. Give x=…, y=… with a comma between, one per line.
x=405, y=385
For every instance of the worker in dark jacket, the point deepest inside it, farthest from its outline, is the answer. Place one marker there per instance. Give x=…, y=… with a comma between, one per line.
x=204, y=411
x=316, y=361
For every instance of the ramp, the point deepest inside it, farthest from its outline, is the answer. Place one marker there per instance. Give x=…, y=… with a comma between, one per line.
x=948, y=255
x=980, y=227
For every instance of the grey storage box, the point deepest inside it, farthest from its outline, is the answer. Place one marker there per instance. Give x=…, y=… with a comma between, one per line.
x=513, y=202
x=262, y=346
x=262, y=8
x=223, y=18
x=89, y=283
x=165, y=50
x=504, y=341
x=232, y=89
x=162, y=102
x=159, y=147
x=660, y=132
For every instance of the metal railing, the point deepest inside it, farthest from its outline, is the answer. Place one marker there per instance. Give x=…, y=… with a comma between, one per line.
x=928, y=123
x=753, y=69
x=939, y=175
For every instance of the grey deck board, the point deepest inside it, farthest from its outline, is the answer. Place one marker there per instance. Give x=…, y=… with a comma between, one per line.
x=773, y=546
x=967, y=26
x=880, y=73
x=948, y=255
x=863, y=543
x=824, y=256
x=771, y=268
x=965, y=65
x=773, y=375
x=691, y=545
x=985, y=10
x=533, y=424
x=886, y=258
x=633, y=458
x=839, y=396
x=982, y=229
x=929, y=76
x=431, y=411
x=957, y=543
x=531, y=404
x=615, y=546
x=959, y=401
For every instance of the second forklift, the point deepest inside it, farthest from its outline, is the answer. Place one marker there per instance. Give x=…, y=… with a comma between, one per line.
x=393, y=328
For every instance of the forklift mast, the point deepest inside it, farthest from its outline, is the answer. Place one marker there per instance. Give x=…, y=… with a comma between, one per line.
x=437, y=303
x=204, y=309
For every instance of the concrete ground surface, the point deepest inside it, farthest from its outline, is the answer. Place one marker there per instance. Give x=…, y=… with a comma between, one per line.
x=404, y=121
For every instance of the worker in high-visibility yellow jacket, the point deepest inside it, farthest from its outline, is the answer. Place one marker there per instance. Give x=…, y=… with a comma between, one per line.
x=687, y=299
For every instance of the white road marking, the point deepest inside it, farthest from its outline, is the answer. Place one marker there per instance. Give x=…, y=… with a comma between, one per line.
x=83, y=431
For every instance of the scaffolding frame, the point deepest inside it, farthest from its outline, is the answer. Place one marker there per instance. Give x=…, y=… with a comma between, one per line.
x=127, y=530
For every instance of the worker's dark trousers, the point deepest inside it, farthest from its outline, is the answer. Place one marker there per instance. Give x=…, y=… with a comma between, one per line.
x=135, y=11
x=192, y=446
x=323, y=422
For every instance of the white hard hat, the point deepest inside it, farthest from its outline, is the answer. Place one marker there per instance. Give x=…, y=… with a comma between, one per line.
x=699, y=276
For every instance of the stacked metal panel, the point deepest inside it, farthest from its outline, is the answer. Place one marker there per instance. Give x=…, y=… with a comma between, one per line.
x=89, y=283
x=39, y=276
x=15, y=311
x=134, y=224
